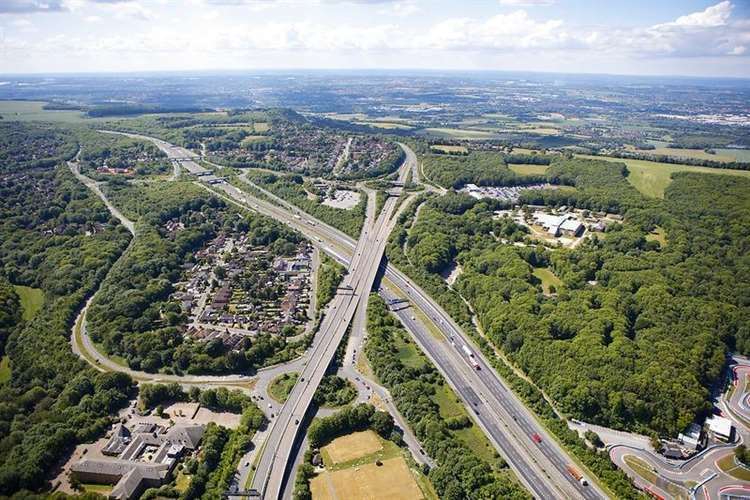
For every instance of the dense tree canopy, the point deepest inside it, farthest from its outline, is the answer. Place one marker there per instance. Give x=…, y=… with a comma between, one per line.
x=628, y=303
x=56, y=236
x=482, y=168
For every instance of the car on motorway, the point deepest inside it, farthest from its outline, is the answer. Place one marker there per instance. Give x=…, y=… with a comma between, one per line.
x=536, y=438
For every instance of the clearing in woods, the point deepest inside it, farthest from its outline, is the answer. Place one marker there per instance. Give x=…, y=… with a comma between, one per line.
x=652, y=178
x=528, y=169
x=32, y=300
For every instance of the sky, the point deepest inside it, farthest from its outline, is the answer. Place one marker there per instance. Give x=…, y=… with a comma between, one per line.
x=644, y=37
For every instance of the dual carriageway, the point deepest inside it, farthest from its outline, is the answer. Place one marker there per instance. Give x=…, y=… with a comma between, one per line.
x=540, y=463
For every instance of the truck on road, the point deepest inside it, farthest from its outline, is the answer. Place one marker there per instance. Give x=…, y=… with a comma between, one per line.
x=576, y=474
x=470, y=355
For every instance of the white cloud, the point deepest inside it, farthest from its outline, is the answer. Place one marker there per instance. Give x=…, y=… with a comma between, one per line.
x=527, y=3
x=400, y=9
x=123, y=9
x=30, y=6
x=716, y=15
x=709, y=32
x=217, y=35
x=515, y=30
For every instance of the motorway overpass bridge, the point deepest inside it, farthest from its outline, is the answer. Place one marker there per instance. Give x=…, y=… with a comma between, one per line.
x=501, y=415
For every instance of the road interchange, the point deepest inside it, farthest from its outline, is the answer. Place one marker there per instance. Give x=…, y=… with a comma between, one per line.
x=504, y=418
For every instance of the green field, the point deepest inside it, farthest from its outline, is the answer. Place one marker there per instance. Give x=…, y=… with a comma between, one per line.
x=386, y=125
x=547, y=278
x=720, y=154
x=457, y=133
x=659, y=235
x=261, y=126
x=5, y=372
x=32, y=111
x=281, y=386
x=652, y=178
x=408, y=353
x=32, y=300
x=450, y=405
x=524, y=169
x=100, y=489
x=445, y=148
x=252, y=139
x=641, y=468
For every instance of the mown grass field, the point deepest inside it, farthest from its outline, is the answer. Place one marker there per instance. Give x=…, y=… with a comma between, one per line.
x=390, y=480
x=362, y=465
x=652, y=178
x=99, y=489
x=351, y=447
x=32, y=300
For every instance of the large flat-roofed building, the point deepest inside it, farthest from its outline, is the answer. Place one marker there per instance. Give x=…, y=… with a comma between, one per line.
x=720, y=427
x=692, y=437
x=147, y=456
x=556, y=225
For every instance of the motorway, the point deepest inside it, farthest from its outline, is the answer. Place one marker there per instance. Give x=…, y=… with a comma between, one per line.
x=352, y=293
x=481, y=390
x=505, y=419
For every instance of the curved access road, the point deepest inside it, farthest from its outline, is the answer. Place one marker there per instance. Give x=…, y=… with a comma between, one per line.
x=83, y=346
x=701, y=476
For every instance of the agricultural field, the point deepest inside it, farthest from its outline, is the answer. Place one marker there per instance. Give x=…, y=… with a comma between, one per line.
x=456, y=133
x=386, y=125
x=27, y=111
x=445, y=148
x=652, y=178
x=662, y=148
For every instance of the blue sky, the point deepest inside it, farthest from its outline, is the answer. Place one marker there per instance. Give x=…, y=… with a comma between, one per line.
x=686, y=37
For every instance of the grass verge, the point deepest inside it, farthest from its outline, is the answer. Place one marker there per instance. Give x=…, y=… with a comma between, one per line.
x=281, y=386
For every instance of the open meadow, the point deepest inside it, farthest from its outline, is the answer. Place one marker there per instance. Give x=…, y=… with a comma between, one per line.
x=652, y=178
